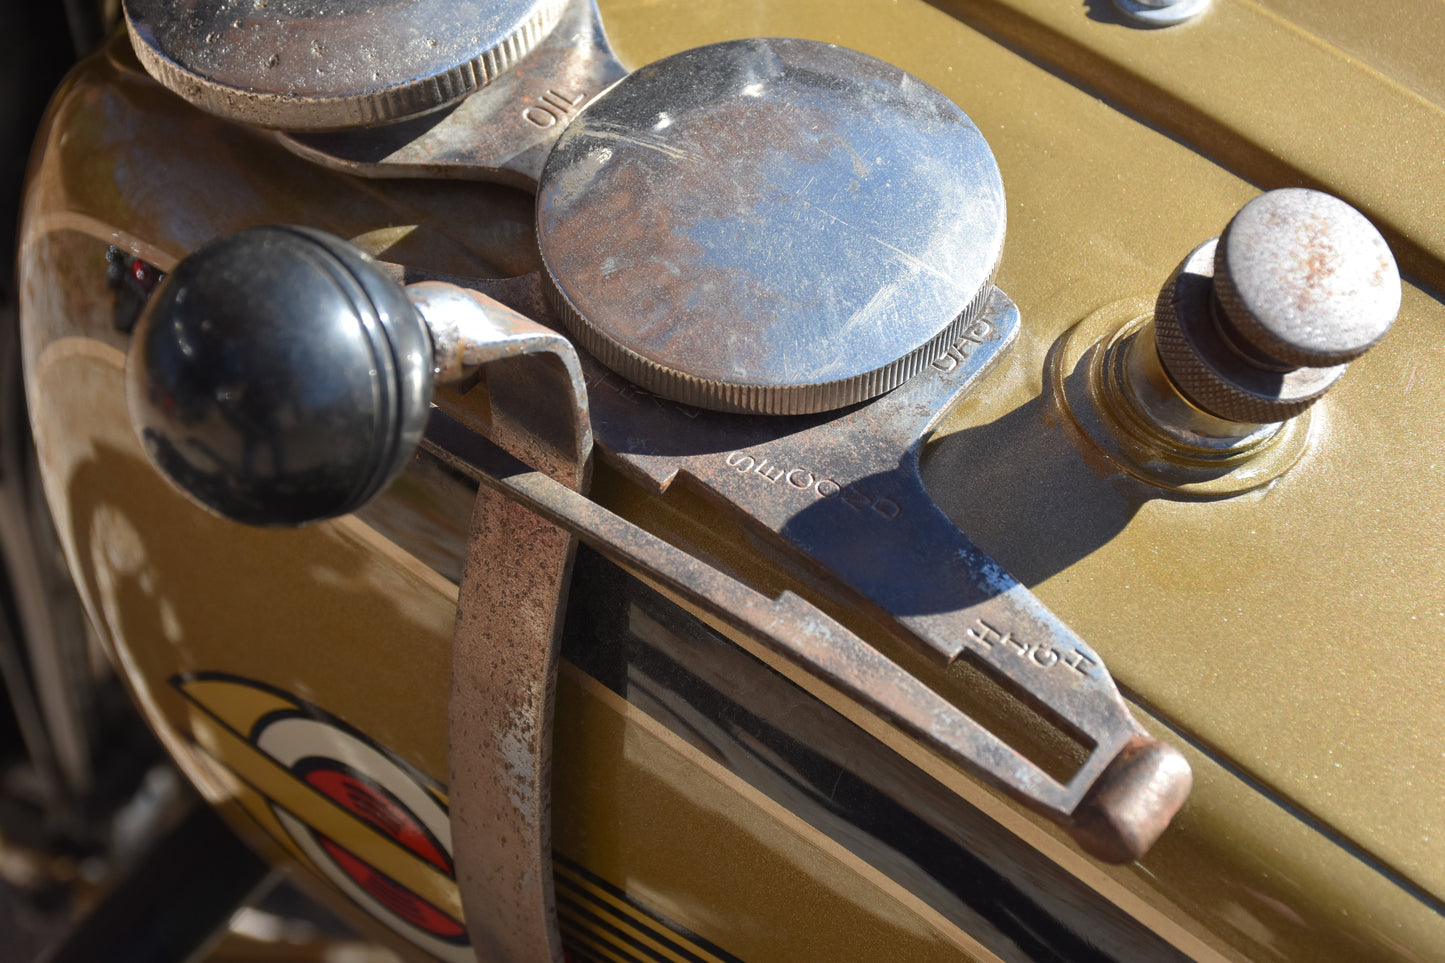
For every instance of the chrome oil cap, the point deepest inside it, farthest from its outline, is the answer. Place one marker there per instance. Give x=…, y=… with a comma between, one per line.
x=326, y=64
x=773, y=226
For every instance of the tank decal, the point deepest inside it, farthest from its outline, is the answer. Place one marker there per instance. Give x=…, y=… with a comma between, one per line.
x=369, y=823
x=378, y=830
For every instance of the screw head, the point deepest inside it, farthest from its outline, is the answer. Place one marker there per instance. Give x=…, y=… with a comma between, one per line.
x=1160, y=13
x=1305, y=280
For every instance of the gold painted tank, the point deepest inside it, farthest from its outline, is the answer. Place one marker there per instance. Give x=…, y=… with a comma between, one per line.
x=712, y=803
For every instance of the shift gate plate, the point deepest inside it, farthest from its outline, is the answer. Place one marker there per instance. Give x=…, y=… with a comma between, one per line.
x=844, y=490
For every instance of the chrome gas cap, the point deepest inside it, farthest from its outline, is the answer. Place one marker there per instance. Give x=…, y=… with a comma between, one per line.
x=772, y=226
x=319, y=64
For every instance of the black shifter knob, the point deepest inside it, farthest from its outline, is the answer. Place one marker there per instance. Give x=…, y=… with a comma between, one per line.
x=279, y=377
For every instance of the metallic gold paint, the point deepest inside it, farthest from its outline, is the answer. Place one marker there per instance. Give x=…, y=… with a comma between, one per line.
x=1290, y=635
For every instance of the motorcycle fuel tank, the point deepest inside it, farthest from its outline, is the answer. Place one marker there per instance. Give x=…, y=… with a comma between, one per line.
x=1268, y=606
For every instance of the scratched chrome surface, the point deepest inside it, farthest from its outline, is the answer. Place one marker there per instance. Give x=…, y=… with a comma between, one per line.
x=770, y=226
x=329, y=63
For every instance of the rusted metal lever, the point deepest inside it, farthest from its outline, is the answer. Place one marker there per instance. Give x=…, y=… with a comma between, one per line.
x=509, y=615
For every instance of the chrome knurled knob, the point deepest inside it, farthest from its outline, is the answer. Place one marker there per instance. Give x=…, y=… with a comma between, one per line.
x=1257, y=325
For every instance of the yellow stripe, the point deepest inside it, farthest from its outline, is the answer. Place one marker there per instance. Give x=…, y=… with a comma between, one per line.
x=592, y=943
x=639, y=927
x=326, y=817
x=626, y=911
